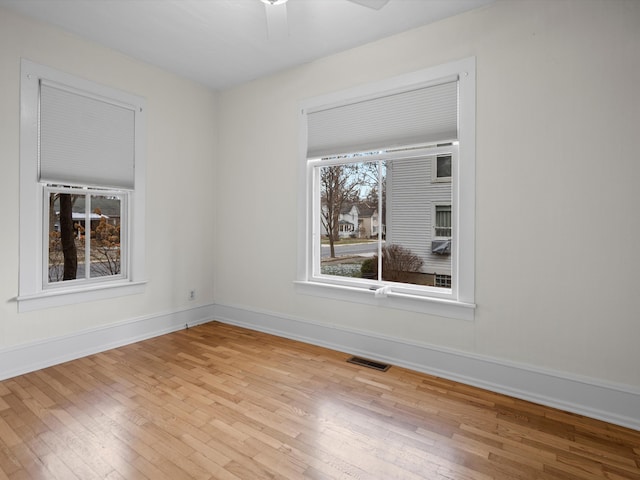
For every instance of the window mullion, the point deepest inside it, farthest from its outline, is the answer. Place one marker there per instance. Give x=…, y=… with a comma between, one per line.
x=316, y=236
x=380, y=217
x=87, y=237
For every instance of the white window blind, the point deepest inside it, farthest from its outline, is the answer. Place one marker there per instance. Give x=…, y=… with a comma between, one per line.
x=85, y=140
x=424, y=115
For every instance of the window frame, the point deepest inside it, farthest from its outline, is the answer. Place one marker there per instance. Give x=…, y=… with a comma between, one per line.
x=459, y=302
x=33, y=293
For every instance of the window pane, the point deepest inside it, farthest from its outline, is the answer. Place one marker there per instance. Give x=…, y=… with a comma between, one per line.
x=443, y=166
x=69, y=224
x=66, y=237
x=389, y=207
x=412, y=253
x=443, y=281
x=105, y=236
x=443, y=221
x=349, y=220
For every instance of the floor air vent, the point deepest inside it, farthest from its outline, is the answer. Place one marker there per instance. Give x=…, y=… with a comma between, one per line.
x=383, y=367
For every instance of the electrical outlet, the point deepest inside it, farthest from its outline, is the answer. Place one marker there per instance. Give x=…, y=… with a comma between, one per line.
x=192, y=295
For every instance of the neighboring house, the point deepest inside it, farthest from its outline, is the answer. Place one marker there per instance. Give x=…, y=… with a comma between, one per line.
x=109, y=209
x=361, y=219
x=368, y=221
x=347, y=221
x=429, y=207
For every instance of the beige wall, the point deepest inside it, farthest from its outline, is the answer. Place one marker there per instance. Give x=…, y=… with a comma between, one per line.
x=558, y=114
x=181, y=145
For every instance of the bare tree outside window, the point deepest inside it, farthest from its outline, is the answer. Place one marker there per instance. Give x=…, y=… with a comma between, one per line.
x=105, y=246
x=339, y=186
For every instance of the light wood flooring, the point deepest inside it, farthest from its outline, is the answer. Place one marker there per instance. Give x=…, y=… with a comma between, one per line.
x=221, y=402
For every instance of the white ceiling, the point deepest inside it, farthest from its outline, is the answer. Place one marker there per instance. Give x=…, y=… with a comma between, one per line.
x=222, y=43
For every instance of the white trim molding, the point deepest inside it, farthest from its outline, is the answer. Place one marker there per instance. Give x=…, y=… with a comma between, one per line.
x=33, y=356
x=613, y=403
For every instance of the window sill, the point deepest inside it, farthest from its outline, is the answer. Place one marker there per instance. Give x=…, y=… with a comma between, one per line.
x=413, y=303
x=57, y=298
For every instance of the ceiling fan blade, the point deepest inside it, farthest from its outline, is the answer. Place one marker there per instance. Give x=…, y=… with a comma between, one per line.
x=277, y=26
x=375, y=4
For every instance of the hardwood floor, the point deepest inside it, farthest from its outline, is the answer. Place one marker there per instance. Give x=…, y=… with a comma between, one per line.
x=222, y=402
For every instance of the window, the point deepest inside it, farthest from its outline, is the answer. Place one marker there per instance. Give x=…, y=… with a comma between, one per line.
x=443, y=281
x=442, y=168
x=401, y=152
x=82, y=182
x=442, y=221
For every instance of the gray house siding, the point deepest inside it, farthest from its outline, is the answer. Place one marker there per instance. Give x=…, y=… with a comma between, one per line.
x=411, y=207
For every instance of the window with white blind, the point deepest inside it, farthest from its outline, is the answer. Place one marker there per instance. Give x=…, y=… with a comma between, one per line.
x=82, y=179
x=400, y=152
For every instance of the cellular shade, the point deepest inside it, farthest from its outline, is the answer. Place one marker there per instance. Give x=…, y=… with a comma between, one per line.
x=85, y=140
x=423, y=115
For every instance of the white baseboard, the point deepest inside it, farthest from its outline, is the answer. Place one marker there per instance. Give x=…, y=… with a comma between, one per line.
x=52, y=351
x=613, y=403
x=617, y=404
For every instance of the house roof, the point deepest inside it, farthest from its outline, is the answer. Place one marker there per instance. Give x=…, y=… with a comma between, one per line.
x=108, y=207
x=346, y=208
x=366, y=209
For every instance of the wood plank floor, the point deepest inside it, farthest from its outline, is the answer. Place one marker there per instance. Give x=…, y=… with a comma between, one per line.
x=221, y=402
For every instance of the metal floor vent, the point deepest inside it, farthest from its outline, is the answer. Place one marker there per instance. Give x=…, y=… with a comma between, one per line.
x=383, y=367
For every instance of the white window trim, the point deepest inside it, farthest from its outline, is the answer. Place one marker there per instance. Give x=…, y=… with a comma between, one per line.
x=32, y=294
x=460, y=303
